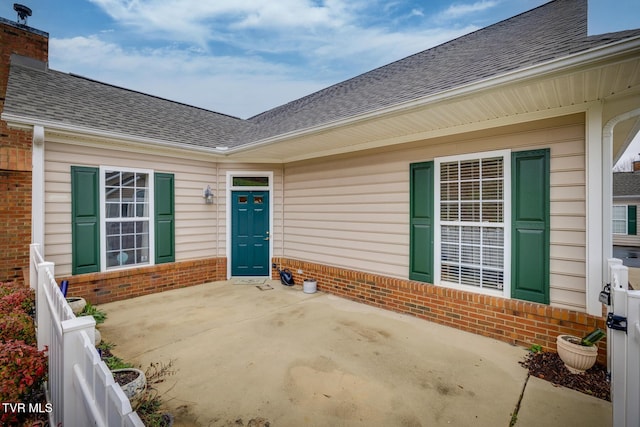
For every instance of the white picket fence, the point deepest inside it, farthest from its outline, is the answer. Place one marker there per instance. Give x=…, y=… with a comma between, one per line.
x=624, y=348
x=80, y=387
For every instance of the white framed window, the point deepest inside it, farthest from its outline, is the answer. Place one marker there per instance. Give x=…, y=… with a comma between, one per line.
x=126, y=206
x=619, y=218
x=472, y=230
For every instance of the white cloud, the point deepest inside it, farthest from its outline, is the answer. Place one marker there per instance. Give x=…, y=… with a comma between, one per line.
x=461, y=9
x=235, y=86
x=199, y=21
x=241, y=57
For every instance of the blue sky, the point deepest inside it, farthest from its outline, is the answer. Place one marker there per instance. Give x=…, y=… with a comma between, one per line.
x=243, y=57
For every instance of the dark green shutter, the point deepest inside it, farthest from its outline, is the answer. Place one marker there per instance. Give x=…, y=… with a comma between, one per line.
x=164, y=218
x=632, y=226
x=421, y=222
x=85, y=220
x=530, y=226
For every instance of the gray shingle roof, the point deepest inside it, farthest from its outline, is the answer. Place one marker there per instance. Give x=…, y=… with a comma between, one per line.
x=74, y=100
x=626, y=184
x=551, y=31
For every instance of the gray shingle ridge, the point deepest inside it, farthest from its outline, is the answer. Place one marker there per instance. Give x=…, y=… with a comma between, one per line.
x=626, y=184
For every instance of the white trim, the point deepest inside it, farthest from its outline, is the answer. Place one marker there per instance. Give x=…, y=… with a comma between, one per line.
x=594, y=307
x=229, y=188
x=506, y=155
x=103, y=222
x=598, y=177
x=37, y=188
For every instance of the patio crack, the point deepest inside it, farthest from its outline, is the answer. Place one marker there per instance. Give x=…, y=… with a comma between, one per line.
x=514, y=415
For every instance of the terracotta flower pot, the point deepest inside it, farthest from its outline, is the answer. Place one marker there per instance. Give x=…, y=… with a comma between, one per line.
x=576, y=357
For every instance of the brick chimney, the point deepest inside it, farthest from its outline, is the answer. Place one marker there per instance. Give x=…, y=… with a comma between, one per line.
x=636, y=165
x=15, y=157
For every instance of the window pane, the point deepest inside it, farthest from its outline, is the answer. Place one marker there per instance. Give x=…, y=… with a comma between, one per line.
x=449, y=211
x=470, y=212
x=449, y=171
x=470, y=169
x=250, y=181
x=449, y=191
x=470, y=190
x=620, y=212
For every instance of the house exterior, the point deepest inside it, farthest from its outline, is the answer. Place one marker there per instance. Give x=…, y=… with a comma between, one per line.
x=468, y=184
x=626, y=198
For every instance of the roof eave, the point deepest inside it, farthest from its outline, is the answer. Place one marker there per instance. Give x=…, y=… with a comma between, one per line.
x=27, y=123
x=541, y=70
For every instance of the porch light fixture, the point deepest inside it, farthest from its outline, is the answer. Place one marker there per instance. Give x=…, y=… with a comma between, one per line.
x=207, y=194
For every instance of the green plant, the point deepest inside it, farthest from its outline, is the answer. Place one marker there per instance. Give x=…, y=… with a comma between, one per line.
x=592, y=337
x=22, y=371
x=91, y=310
x=105, y=346
x=114, y=362
x=535, y=348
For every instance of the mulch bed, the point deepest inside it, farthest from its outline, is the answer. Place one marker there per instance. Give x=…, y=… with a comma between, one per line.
x=549, y=367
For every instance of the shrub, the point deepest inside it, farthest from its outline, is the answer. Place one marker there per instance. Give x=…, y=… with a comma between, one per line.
x=22, y=371
x=13, y=297
x=17, y=325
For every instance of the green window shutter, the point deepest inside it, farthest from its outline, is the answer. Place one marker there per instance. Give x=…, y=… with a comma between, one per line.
x=421, y=222
x=530, y=225
x=85, y=220
x=632, y=226
x=164, y=218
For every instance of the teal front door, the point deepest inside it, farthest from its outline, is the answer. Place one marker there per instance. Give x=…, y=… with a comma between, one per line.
x=250, y=233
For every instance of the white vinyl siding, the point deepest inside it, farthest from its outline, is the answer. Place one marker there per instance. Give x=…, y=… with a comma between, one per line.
x=352, y=211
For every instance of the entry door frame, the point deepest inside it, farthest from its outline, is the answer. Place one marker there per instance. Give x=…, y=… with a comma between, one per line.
x=229, y=189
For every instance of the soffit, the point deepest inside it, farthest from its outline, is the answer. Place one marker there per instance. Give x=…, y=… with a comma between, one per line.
x=556, y=93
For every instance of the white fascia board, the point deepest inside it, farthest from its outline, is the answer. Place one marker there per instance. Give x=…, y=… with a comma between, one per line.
x=544, y=69
x=27, y=123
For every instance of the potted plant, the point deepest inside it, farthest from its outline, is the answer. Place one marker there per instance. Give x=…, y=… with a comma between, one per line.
x=132, y=381
x=77, y=304
x=579, y=354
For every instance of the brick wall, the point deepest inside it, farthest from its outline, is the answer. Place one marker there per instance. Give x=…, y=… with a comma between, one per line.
x=101, y=288
x=517, y=322
x=15, y=158
x=15, y=224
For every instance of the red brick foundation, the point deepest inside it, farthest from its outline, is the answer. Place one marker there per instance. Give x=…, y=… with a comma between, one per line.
x=100, y=288
x=517, y=322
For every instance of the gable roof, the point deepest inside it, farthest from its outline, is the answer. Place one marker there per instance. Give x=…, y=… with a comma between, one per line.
x=554, y=30
x=626, y=184
x=77, y=101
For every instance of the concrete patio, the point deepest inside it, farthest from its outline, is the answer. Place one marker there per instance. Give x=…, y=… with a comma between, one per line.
x=296, y=359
